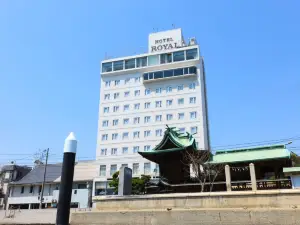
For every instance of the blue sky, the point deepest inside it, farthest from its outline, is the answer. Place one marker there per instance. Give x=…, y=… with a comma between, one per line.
x=50, y=53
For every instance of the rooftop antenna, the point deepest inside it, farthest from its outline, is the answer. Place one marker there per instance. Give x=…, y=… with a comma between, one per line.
x=173, y=25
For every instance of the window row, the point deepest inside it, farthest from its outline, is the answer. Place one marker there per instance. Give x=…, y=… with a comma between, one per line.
x=148, y=119
x=147, y=105
x=137, y=134
x=170, y=73
x=137, y=93
x=135, y=169
x=150, y=60
x=118, y=82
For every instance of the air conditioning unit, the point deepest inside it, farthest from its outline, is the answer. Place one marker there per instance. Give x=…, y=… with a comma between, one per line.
x=192, y=41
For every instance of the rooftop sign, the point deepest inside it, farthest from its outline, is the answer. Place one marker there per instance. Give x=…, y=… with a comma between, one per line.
x=165, y=40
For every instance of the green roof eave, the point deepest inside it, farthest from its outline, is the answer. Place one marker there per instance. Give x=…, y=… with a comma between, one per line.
x=152, y=152
x=257, y=148
x=291, y=169
x=251, y=156
x=180, y=140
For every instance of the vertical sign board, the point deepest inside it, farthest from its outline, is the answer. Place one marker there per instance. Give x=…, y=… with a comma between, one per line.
x=165, y=40
x=125, y=179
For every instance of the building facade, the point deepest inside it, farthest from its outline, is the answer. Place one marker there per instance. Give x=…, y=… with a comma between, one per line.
x=142, y=94
x=26, y=193
x=10, y=173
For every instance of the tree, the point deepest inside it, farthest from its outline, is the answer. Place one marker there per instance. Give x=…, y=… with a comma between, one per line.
x=138, y=183
x=205, y=173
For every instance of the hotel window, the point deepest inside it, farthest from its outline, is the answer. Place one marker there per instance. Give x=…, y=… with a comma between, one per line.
x=106, y=96
x=158, y=118
x=106, y=110
x=147, y=168
x=116, y=95
x=193, y=115
x=192, y=86
x=135, y=168
x=180, y=101
x=153, y=60
x=180, y=116
x=158, y=90
x=182, y=130
x=192, y=100
x=147, y=105
x=117, y=82
x=141, y=62
x=158, y=104
x=127, y=80
x=178, y=56
x=137, y=92
x=115, y=136
x=166, y=58
x=137, y=106
x=168, y=73
x=146, y=133
x=31, y=189
x=169, y=102
x=169, y=116
x=114, y=151
x=105, y=123
x=102, y=170
x=125, y=135
x=104, y=137
x=116, y=108
x=147, y=148
x=147, y=119
x=126, y=94
x=179, y=87
x=136, y=134
x=157, y=75
x=107, y=67
x=103, y=151
x=137, y=79
x=107, y=83
x=194, y=130
x=118, y=65
x=115, y=122
x=169, y=89
x=125, y=150
x=113, y=169
x=192, y=54
x=124, y=165
x=158, y=132
x=126, y=107
x=147, y=91
x=136, y=120
x=136, y=149
x=126, y=121
x=129, y=63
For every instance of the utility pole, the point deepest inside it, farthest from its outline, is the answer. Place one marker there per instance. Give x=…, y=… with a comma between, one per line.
x=43, y=185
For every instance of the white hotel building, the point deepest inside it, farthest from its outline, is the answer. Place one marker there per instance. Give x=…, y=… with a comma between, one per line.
x=140, y=95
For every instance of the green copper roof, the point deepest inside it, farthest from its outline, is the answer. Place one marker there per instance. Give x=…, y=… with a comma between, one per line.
x=172, y=141
x=291, y=169
x=251, y=154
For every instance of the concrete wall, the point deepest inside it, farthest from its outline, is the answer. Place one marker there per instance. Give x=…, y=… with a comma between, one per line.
x=188, y=217
x=275, y=199
x=34, y=216
x=276, y=207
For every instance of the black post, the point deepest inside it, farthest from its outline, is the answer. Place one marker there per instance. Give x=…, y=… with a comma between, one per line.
x=65, y=190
